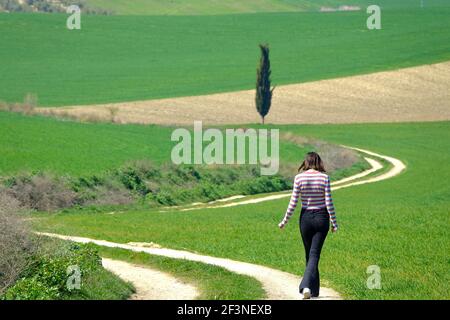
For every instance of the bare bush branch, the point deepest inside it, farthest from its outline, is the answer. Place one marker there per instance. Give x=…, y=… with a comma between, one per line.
x=43, y=192
x=16, y=245
x=334, y=156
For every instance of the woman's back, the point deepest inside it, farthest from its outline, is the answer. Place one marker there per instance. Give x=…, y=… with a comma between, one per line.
x=313, y=187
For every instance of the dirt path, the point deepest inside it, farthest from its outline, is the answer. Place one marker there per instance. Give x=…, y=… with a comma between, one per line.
x=411, y=94
x=374, y=167
x=277, y=284
x=397, y=167
x=151, y=284
x=228, y=202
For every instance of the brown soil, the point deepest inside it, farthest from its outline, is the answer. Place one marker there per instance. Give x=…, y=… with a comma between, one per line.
x=412, y=94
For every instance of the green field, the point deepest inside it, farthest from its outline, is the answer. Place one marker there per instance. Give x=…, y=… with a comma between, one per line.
x=37, y=143
x=72, y=148
x=125, y=58
x=204, y=7
x=150, y=49
x=399, y=224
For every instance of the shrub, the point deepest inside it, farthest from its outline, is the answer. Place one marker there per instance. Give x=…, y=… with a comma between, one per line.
x=165, y=198
x=49, y=6
x=110, y=195
x=113, y=111
x=16, y=245
x=264, y=184
x=132, y=179
x=31, y=289
x=29, y=104
x=42, y=192
x=210, y=191
x=10, y=5
x=334, y=157
x=46, y=277
x=27, y=107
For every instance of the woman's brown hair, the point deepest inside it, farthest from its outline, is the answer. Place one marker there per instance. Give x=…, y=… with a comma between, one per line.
x=312, y=161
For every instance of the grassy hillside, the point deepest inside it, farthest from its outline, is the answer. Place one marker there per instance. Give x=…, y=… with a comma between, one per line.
x=104, y=165
x=399, y=224
x=124, y=58
x=36, y=143
x=203, y=7
x=198, y=7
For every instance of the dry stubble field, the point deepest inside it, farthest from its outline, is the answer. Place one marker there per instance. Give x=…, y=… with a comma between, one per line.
x=412, y=94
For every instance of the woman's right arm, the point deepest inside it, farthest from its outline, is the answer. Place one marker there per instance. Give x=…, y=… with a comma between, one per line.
x=330, y=205
x=292, y=203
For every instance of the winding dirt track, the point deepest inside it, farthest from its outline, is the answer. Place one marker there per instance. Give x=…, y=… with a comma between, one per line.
x=397, y=167
x=151, y=284
x=277, y=284
x=412, y=94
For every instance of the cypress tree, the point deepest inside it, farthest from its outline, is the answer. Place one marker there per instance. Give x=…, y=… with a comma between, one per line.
x=263, y=91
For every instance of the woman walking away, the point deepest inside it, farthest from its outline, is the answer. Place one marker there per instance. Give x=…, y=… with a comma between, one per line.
x=312, y=184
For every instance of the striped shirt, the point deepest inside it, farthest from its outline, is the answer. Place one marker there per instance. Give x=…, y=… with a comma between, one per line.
x=313, y=187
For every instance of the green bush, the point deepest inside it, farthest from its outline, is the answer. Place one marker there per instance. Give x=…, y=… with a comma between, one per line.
x=210, y=191
x=172, y=185
x=166, y=185
x=46, y=277
x=87, y=182
x=134, y=175
x=165, y=198
x=263, y=184
x=31, y=289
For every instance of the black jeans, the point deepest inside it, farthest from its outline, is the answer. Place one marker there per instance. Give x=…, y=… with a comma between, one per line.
x=314, y=225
